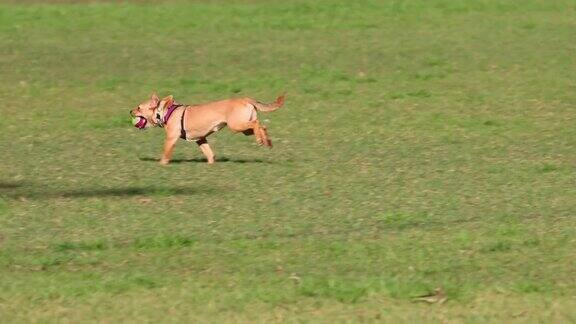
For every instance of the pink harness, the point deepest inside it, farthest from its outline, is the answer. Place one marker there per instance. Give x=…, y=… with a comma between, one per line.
x=169, y=112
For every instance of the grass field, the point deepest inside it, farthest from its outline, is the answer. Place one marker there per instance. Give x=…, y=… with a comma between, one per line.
x=424, y=144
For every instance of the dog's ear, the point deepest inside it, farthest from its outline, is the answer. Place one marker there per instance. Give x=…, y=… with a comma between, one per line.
x=155, y=98
x=168, y=101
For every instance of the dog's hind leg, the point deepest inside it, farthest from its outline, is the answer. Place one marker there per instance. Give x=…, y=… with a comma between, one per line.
x=252, y=127
x=206, y=150
x=265, y=138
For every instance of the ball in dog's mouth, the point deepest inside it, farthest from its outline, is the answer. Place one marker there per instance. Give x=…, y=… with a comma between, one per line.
x=139, y=122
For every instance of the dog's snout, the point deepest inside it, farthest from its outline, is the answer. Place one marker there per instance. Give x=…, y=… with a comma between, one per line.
x=132, y=113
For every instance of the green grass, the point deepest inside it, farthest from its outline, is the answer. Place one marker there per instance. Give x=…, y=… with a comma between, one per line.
x=423, y=144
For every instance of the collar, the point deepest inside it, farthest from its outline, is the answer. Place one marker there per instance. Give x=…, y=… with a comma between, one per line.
x=164, y=110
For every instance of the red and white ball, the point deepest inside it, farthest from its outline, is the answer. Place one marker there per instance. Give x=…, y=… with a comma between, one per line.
x=139, y=122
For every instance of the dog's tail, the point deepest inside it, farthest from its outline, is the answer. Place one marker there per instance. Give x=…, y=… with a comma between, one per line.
x=267, y=107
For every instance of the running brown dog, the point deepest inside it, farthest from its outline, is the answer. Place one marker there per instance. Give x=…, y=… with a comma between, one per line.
x=196, y=122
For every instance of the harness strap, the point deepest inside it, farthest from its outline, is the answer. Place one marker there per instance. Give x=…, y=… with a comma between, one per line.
x=170, y=111
x=182, y=129
x=163, y=121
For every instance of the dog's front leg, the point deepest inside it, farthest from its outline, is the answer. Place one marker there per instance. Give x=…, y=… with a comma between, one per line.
x=206, y=150
x=168, y=148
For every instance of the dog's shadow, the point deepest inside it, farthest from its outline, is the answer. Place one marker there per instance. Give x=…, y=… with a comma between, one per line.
x=27, y=191
x=10, y=185
x=128, y=191
x=203, y=160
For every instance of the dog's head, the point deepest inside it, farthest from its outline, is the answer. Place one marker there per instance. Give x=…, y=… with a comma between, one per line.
x=146, y=111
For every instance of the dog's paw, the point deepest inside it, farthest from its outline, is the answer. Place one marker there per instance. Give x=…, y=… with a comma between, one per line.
x=164, y=162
